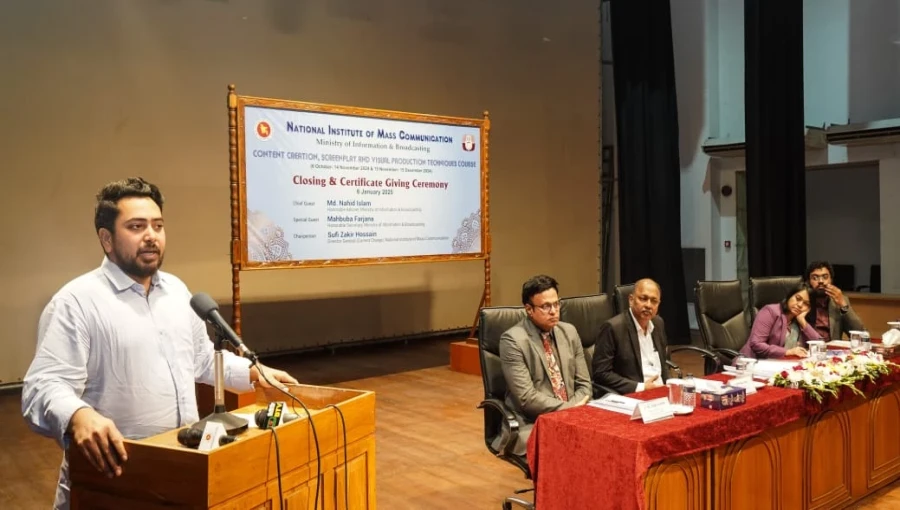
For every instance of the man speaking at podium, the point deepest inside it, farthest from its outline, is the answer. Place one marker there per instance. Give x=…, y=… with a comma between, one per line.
x=119, y=348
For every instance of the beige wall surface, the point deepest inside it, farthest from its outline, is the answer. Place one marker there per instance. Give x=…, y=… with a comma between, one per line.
x=94, y=91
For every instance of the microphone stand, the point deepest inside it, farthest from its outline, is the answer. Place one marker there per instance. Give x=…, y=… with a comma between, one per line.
x=233, y=424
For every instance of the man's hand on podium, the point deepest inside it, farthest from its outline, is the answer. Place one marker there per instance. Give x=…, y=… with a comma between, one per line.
x=276, y=376
x=99, y=441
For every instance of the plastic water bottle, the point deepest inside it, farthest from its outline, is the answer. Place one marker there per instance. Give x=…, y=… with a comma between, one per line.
x=689, y=392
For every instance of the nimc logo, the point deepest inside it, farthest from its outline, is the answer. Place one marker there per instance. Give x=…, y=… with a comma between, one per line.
x=468, y=143
x=263, y=130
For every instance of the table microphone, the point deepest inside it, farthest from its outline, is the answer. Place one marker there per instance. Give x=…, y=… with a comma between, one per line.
x=274, y=415
x=192, y=437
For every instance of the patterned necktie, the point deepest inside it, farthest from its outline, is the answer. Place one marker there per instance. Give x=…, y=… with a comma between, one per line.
x=559, y=387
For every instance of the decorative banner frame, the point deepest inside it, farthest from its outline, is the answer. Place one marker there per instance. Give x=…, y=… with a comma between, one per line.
x=273, y=248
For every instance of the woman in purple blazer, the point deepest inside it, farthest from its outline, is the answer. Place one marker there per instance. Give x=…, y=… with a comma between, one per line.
x=780, y=329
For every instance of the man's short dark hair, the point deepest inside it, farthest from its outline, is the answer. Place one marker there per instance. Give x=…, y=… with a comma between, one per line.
x=536, y=285
x=108, y=199
x=819, y=264
x=790, y=293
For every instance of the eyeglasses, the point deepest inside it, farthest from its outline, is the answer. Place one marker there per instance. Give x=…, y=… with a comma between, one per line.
x=547, y=307
x=819, y=277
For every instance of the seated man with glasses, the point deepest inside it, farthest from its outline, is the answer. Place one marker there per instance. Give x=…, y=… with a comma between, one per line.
x=830, y=313
x=542, y=359
x=630, y=353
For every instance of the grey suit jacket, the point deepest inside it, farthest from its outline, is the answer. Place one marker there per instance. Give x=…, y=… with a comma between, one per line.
x=529, y=390
x=839, y=323
x=617, y=354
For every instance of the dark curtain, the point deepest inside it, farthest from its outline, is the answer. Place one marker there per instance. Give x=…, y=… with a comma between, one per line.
x=776, y=180
x=647, y=140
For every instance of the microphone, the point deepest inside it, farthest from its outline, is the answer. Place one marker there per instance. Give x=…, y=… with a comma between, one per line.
x=208, y=310
x=276, y=414
x=192, y=437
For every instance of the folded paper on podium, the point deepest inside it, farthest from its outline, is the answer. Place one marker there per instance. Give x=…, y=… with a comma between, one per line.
x=161, y=473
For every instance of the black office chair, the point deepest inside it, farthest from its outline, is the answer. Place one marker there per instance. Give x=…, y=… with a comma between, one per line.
x=844, y=276
x=723, y=321
x=587, y=314
x=621, y=293
x=501, y=429
x=711, y=361
x=874, y=280
x=766, y=290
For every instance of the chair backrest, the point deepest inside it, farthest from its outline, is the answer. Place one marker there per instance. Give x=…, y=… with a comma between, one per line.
x=587, y=314
x=844, y=276
x=621, y=293
x=494, y=321
x=720, y=314
x=875, y=278
x=769, y=289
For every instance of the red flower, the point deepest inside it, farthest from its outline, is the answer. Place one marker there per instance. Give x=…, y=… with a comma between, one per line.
x=784, y=374
x=798, y=367
x=835, y=360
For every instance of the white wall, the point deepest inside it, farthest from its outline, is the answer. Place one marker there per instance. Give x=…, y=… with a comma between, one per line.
x=696, y=59
x=874, y=70
x=731, y=69
x=889, y=177
x=826, y=61
x=843, y=217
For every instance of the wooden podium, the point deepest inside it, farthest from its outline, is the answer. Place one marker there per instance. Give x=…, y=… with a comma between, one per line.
x=161, y=473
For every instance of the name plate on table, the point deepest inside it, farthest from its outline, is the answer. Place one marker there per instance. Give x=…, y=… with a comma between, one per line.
x=616, y=403
x=747, y=383
x=653, y=410
x=211, y=434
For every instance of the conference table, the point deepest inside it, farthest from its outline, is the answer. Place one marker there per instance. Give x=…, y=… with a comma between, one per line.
x=781, y=449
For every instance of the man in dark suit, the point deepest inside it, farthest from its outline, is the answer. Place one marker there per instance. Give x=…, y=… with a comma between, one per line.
x=630, y=353
x=830, y=313
x=542, y=359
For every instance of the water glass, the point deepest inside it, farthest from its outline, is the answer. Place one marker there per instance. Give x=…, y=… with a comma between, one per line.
x=816, y=349
x=751, y=364
x=865, y=341
x=740, y=365
x=674, y=391
x=855, y=337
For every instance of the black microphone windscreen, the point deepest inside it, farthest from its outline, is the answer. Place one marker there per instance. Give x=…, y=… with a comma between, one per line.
x=190, y=437
x=203, y=304
x=261, y=417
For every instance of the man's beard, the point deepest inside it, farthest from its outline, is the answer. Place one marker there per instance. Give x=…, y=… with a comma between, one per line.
x=132, y=265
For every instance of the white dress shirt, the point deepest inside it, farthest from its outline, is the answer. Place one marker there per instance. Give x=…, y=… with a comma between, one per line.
x=650, y=361
x=133, y=356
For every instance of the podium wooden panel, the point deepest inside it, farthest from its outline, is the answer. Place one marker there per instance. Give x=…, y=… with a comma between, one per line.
x=161, y=473
x=829, y=460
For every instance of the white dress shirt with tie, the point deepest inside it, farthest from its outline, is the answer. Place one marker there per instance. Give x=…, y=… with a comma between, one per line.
x=133, y=356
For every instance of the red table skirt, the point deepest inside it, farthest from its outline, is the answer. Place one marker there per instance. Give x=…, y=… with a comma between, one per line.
x=592, y=458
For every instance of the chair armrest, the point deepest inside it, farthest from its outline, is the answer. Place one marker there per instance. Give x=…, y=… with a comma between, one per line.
x=509, y=427
x=712, y=356
x=500, y=407
x=599, y=388
x=731, y=353
x=672, y=366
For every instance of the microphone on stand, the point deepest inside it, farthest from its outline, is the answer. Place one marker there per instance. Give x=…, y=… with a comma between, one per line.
x=208, y=310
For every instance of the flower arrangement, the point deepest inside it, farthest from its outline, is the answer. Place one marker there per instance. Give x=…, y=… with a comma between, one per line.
x=830, y=375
